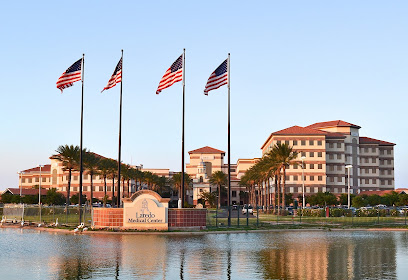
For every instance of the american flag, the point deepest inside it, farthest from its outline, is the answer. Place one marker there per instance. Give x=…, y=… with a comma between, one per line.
x=116, y=76
x=173, y=75
x=71, y=75
x=218, y=78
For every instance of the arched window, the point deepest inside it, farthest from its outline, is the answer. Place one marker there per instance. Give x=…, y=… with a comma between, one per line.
x=201, y=179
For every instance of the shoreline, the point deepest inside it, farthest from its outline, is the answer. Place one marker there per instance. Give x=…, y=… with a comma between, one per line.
x=105, y=232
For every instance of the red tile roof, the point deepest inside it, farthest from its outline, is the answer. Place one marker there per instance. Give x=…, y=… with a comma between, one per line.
x=46, y=168
x=298, y=130
x=368, y=140
x=333, y=124
x=16, y=191
x=206, y=150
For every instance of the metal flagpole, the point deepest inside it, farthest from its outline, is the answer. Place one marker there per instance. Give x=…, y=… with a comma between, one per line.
x=182, y=131
x=80, y=145
x=120, y=136
x=229, y=148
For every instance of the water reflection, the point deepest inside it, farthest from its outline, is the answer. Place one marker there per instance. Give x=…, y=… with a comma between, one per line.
x=290, y=255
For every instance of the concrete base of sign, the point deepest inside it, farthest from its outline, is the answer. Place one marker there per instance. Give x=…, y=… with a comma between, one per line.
x=146, y=210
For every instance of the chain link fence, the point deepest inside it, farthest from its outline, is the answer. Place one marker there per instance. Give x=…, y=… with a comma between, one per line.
x=47, y=215
x=218, y=218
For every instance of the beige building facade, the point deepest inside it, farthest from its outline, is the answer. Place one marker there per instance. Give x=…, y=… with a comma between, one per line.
x=327, y=148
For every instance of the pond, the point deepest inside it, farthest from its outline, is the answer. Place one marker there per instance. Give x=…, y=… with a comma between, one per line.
x=31, y=254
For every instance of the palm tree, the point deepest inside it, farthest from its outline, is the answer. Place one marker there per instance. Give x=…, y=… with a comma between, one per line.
x=219, y=179
x=69, y=156
x=176, y=182
x=113, y=167
x=91, y=164
x=104, y=164
x=125, y=172
x=284, y=155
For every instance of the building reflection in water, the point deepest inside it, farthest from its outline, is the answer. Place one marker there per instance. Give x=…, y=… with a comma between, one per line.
x=334, y=256
x=274, y=255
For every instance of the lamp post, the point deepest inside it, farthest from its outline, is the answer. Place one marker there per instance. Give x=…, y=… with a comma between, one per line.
x=303, y=184
x=39, y=192
x=348, y=167
x=21, y=182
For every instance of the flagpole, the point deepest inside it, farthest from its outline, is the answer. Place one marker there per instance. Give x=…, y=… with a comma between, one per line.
x=182, y=131
x=80, y=145
x=120, y=137
x=229, y=148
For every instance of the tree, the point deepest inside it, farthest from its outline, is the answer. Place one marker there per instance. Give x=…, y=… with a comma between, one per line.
x=91, y=164
x=219, y=179
x=359, y=201
x=113, y=170
x=209, y=197
x=74, y=198
x=53, y=197
x=104, y=166
x=176, y=182
x=69, y=156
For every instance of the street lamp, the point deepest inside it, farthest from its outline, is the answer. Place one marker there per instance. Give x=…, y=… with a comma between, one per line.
x=21, y=182
x=39, y=192
x=303, y=183
x=348, y=167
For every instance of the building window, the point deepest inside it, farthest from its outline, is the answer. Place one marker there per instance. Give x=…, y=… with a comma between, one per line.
x=295, y=177
x=37, y=179
x=311, y=154
x=201, y=179
x=303, y=142
x=389, y=172
x=44, y=180
x=278, y=141
x=287, y=178
x=311, y=142
x=339, y=167
x=234, y=193
x=382, y=172
x=30, y=180
x=22, y=180
x=367, y=181
x=373, y=150
x=109, y=188
x=339, y=179
x=319, y=154
x=374, y=170
x=366, y=160
x=339, y=145
x=319, y=142
x=338, y=156
x=365, y=150
x=75, y=178
x=331, y=168
x=303, y=154
x=374, y=181
x=294, y=142
x=295, y=166
x=388, y=152
x=311, y=178
x=331, y=179
x=311, y=166
x=319, y=178
x=389, y=182
x=382, y=182
x=86, y=177
x=331, y=156
x=331, y=145
x=320, y=166
x=287, y=142
x=374, y=160
x=381, y=152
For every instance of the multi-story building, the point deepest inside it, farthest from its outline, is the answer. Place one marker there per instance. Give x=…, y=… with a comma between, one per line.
x=328, y=149
x=203, y=163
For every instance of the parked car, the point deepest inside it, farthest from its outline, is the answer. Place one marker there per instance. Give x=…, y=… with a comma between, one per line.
x=248, y=208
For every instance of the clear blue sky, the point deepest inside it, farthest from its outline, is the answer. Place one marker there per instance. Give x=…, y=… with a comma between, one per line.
x=292, y=63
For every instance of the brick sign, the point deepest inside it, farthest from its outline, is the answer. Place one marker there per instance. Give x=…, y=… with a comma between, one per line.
x=145, y=210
